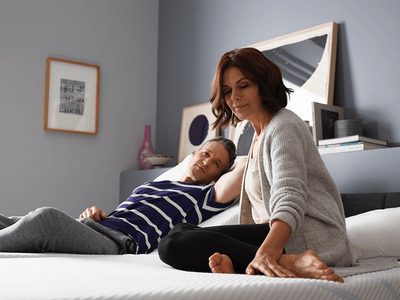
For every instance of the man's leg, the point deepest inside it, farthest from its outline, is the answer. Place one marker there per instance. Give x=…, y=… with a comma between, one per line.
x=7, y=221
x=50, y=230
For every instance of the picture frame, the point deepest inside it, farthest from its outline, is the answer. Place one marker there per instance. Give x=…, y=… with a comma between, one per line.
x=307, y=59
x=242, y=136
x=196, y=128
x=324, y=117
x=72, y=96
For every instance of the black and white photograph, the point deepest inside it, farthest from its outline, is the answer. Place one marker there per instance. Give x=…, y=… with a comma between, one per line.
x=324, y=117
x=72, y=96
x=242, y=136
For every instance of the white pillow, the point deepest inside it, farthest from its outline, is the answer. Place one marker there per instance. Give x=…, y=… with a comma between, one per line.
x=227, y=217
x=375, y=233
x=176, y=172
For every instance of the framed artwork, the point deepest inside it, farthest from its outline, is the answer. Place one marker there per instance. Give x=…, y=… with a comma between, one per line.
x=307, y=59
x=72, y=96
x=324, y=117
x=242, y=136
x=196, y=128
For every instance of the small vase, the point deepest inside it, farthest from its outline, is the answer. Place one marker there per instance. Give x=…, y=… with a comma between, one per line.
x=147, y=148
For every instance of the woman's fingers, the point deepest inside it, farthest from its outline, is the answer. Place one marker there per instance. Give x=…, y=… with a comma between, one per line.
x=270, y=269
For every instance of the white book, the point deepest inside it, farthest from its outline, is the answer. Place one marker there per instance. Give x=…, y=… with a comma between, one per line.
x=352, y=139
x=349, y=147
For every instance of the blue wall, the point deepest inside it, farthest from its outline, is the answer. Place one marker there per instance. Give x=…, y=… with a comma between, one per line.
x=194, y=34
x=73, y=171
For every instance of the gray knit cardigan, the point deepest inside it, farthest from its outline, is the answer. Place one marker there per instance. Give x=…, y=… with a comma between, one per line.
x=298, y=189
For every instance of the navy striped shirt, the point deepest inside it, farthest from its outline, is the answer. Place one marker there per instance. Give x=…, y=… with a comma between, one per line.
x=154, y=208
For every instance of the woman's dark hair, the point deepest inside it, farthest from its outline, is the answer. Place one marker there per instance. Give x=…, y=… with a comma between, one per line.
x=259, y=70
x=228, y=145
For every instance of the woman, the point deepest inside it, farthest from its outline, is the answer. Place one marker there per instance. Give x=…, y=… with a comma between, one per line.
x=287, y=190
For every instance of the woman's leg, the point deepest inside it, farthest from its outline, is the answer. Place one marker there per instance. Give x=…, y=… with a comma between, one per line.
x=51, y=230
x=188, y=247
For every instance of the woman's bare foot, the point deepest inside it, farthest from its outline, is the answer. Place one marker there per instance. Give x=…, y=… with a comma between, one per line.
x=308, y=265
x=221, y=263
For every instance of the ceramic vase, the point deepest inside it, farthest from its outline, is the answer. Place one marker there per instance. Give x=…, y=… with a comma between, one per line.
x=147, y=148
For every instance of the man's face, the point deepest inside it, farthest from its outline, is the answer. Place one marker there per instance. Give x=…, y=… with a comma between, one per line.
x=208, y=163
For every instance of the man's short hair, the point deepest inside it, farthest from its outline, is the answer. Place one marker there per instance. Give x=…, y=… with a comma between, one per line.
x=228, y=145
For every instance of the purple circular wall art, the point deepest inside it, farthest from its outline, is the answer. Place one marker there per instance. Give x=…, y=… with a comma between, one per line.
x=198, y=130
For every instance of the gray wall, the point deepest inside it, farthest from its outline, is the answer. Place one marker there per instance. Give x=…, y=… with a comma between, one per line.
x=194, y=34
x=65, y=170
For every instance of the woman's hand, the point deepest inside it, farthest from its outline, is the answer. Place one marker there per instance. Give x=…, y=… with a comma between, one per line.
x=266, y=260
x=94, y=213
x=267, y=263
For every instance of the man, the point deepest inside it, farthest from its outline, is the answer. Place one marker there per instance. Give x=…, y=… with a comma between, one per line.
x=139, y=223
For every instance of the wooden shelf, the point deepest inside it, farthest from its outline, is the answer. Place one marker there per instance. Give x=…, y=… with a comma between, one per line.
x=368, y=171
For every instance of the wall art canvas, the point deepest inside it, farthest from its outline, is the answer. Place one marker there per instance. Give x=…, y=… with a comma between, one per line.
x=242, y=136
x=196, y=128
x=307, y=59
x=72, y=96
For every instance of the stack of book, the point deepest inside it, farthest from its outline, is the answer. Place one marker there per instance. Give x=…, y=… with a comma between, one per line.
x=350, y=143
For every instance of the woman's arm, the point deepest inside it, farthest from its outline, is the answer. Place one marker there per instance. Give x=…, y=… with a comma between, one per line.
x=284, y=160
x=267, y=256
x=229, y=185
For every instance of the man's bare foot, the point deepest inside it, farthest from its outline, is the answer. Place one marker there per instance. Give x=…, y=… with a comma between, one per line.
x=221, y=263
x=308, y=265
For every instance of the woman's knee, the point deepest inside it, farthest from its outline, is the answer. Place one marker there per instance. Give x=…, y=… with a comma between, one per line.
x=172, y=246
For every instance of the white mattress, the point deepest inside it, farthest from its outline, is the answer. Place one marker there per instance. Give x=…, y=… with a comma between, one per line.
x=64, y=276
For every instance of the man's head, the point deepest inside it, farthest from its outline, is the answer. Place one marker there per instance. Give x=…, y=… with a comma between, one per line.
x=211, y=161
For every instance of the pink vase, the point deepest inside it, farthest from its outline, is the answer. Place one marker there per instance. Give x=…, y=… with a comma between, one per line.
x=147, y=148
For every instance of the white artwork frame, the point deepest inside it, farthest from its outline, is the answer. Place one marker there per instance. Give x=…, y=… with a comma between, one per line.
x=319, y=87
x=189, y=115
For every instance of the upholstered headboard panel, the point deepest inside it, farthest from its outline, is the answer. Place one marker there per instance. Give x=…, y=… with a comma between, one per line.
x=359, y=203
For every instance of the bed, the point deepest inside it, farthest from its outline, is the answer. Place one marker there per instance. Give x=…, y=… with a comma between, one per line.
x=372, y=221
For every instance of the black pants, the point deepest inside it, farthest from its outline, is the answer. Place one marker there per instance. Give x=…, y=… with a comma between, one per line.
x=188, y=247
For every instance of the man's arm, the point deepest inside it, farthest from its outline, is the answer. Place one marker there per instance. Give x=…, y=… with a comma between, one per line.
x=229, y=185
x=94, y=213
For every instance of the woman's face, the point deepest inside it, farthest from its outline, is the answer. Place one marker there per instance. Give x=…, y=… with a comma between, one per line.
x=241, y=95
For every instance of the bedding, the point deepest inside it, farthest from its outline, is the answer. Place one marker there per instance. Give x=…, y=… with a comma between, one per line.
x=372, y=222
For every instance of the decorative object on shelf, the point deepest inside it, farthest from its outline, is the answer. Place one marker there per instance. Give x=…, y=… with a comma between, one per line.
x=324, y=117
x=348, y=127
x=196, y=128
x=307, y=59
x=72, y=96
x=147, y=148
x=158, y=160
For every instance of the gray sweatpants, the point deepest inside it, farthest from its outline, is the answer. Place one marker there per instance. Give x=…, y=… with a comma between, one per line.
x=50, y=230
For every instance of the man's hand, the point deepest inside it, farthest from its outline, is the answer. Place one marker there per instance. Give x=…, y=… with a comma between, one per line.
x=94, y=213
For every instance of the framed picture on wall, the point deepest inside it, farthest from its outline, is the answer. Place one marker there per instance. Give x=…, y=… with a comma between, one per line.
x=196, y=128
x=72, y=96
x=307, y=59
x=242, y=136
x=324, y=117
